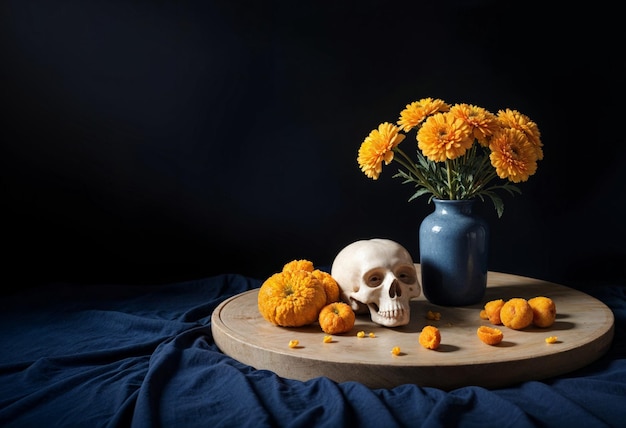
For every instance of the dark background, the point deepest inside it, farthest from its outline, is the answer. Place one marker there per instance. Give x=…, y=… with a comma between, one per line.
x=151, y=142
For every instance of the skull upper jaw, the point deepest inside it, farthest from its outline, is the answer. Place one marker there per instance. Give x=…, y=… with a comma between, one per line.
x=396, y=316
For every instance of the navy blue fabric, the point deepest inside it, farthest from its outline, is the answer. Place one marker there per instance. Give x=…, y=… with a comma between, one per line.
x=144, y=356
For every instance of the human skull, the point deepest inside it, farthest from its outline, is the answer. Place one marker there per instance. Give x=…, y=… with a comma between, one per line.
x=377, y=275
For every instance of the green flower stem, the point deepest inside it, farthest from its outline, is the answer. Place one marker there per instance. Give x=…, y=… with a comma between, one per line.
x=480, y=179
x=410, y=166
x=481, y=184
x=481, y=165
x=451, y=194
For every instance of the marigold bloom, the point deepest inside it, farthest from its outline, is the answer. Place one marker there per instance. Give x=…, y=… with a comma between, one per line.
x=378, y=147
x=516, y=120
x=516, y=313
x=544, y=311
x=329, y=283
x=513, y=155
x=444, y=136
x=291, y=298
x=303, y=264
x=430, y=337
x=417, y=111
x=483, y=123
x=336, y=318
x=492, y=310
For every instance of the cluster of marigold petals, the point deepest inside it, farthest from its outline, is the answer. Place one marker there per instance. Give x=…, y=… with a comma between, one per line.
x=336, y=318
x=492, y=311
x=551, y=339
x=320, y=294
x=430, y=337
x=489, y=335
x=518, y=313
x=433, y=316
x=295, y=296
x=544, y=311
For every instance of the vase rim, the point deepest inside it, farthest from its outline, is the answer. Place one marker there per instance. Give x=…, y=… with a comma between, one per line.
x=454, y=200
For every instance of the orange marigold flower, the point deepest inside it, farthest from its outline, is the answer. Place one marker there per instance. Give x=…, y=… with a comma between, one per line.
x=430, y=337
x=291, y=298
x=417, y=111
x=513, y=155
x=378, y=148
x=492, y=310
x=336, y=318
x=303, y=264
x=444, y=136
x=482, y=122
x=516, y=120
x=329, y=283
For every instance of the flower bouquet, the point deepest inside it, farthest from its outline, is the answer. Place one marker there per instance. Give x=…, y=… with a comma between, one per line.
x=463, y=151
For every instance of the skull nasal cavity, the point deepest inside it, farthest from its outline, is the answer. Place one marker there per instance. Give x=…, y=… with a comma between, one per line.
x=395, y=290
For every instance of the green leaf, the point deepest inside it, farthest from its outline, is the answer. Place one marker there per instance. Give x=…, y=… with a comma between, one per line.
x=421, y=191
x=497, y=202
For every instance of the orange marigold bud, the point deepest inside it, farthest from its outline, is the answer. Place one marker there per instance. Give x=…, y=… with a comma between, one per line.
x=430, y=337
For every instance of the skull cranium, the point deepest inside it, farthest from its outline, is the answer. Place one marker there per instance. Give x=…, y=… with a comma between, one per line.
x=377, y=275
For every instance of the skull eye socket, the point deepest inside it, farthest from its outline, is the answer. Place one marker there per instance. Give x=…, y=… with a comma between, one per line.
x=406, y=274
x=374, y=278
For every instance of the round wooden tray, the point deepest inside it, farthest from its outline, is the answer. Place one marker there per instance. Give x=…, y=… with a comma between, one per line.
x=584, y=327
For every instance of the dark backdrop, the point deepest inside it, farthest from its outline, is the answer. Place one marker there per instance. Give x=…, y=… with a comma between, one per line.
x=150, y=142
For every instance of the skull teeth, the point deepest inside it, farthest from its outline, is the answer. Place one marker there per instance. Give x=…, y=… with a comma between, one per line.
x=394, y=313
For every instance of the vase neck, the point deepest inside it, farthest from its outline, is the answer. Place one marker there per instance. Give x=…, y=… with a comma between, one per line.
x=455, y=206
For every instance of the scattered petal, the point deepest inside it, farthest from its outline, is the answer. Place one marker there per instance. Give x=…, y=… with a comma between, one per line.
x=551, y=339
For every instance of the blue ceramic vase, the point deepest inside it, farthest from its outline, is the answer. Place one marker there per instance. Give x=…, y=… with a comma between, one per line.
x=453, y=247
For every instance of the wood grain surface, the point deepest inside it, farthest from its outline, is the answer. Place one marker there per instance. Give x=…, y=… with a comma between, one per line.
x=584, y=327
